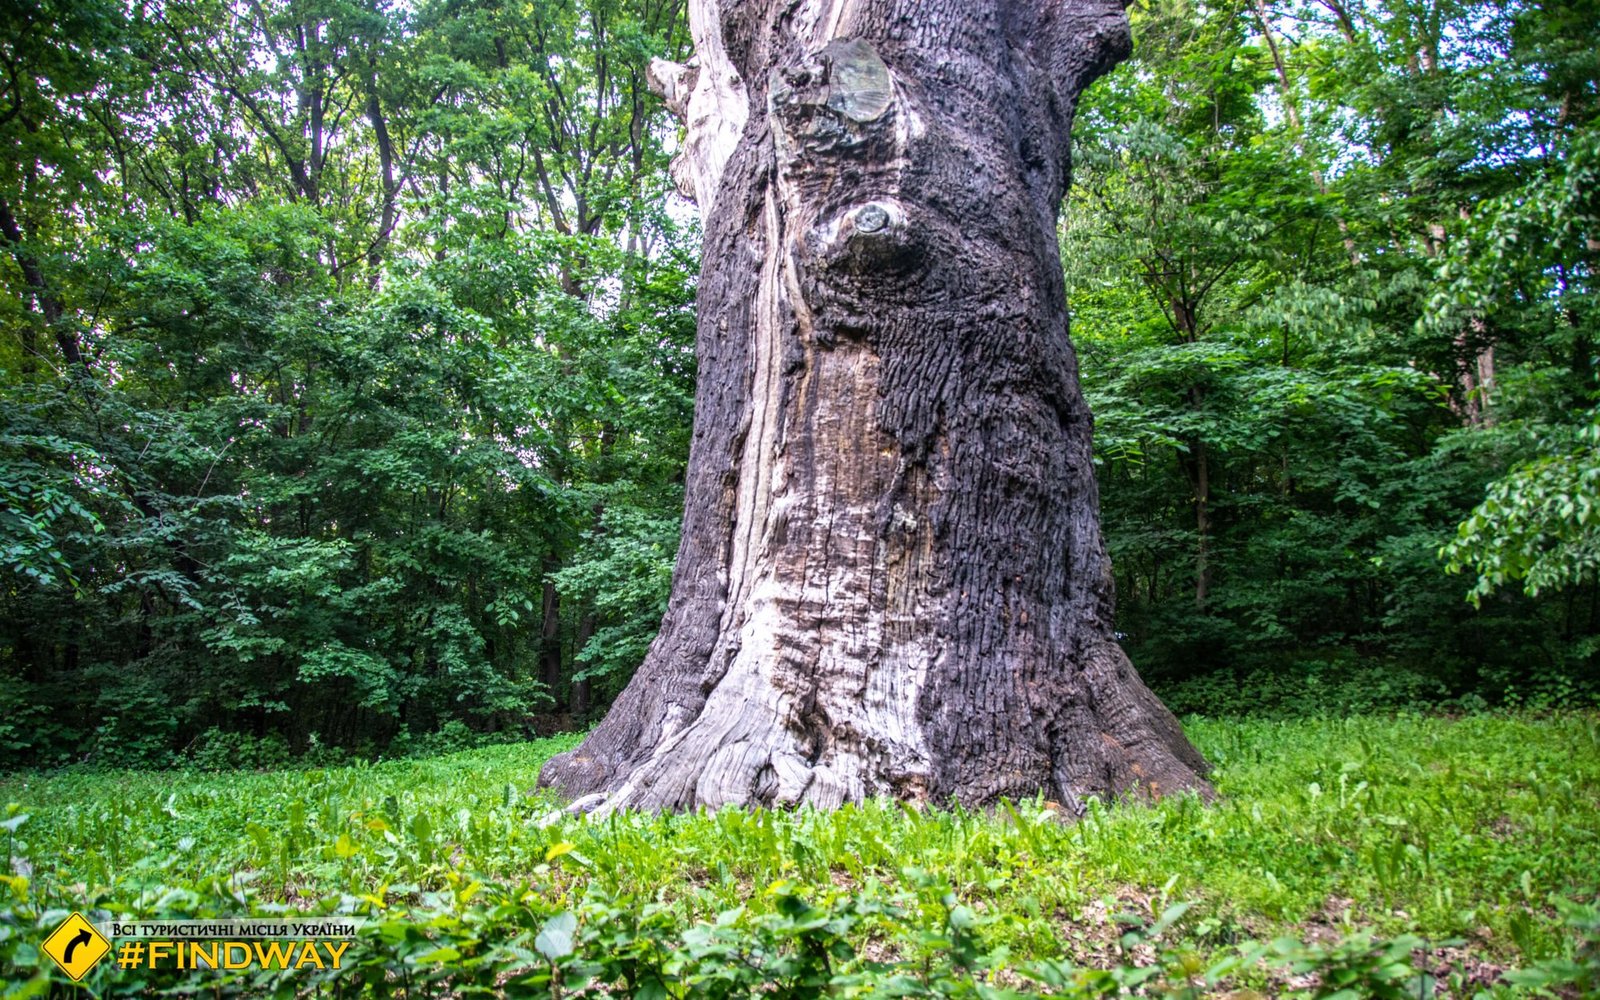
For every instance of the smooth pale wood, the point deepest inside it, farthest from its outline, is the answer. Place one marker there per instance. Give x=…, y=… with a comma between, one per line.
x=892, y=579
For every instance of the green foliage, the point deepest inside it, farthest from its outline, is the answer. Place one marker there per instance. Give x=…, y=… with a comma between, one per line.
x=1331, y=270
x=1354, y=857
x=346, y=531
x=39, y=504
x=1324, y=689
x=1579, y=972
x=1540, y=524
x=1358, y=967
x=218, y=750
x=624, y=569
x=336, y=383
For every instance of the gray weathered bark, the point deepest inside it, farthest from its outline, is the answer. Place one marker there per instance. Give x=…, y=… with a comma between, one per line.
x=892, y=579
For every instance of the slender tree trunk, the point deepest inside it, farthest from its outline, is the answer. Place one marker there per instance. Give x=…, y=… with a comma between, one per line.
x=892, y=579
x=1291, y=105
x=49, y=307
x=1202, y=524
x=391, y=189
x=578, y=701
x=550, y=633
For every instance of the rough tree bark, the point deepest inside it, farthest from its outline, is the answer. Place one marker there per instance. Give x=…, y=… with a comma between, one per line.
x=892, y=579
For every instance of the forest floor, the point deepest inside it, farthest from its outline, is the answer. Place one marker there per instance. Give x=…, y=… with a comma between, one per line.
x=1375, y=849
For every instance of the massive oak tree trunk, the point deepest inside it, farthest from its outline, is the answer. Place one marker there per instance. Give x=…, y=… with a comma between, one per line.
x=892, y=579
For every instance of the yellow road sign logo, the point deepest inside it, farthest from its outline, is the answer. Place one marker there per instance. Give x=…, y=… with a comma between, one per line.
x=76, y=946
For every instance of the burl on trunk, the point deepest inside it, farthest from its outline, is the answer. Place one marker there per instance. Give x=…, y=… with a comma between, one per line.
x=892, y=579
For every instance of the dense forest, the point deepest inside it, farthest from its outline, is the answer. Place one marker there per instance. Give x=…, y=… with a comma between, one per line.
x=348, y=363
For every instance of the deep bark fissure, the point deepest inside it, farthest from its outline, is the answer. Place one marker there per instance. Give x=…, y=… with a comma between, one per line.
x=891, y=579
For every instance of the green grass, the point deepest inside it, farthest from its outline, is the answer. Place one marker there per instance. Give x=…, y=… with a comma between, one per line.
x=1467, y=833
